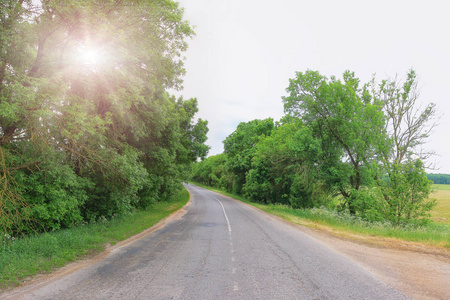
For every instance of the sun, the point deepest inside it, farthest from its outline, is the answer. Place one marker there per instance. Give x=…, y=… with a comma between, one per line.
x=89, y=56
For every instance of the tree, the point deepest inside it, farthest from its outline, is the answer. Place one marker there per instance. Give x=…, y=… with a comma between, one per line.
x=408, y=126
x=279, y=171
x=348, y=123
x=194, y=135
x=407, y=192
x=83, y=93
x=439, y=178
x=369, y=139
x=19, y=108
x=212, y=171
x=240, y=147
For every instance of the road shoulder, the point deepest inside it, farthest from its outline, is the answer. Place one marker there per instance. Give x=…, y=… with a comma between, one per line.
x=420, y=271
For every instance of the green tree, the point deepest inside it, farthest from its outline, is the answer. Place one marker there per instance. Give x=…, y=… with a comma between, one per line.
x=439, y=178
x=82, y=93
x=240, y=147
x=407, y=193
x=408, y=126
x=20, y=102
x=277, y=168
x=213, y=171
x=348, y=122
x=370, y=139
x=193, y=134
x=280, y=173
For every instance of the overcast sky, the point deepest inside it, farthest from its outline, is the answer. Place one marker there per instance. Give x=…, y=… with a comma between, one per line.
x=244, y=52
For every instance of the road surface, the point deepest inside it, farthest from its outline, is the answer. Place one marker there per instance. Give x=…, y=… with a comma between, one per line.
x=219, y=249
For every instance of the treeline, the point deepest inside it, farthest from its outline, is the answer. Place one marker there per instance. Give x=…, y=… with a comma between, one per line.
x=439, y=178
x=342, y=144
x=87, y=129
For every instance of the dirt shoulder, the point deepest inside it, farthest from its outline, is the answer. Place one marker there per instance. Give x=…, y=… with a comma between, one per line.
x=419, y=271
x=422, y=272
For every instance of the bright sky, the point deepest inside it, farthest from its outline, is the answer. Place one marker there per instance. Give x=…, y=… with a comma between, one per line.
x=239, y=64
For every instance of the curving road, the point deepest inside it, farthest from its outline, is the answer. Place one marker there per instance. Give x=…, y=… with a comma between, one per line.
x=220, y=249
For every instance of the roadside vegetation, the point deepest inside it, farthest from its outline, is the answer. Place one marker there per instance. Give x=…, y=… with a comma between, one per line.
x=353, y=227
x=93, y=148
x=23, y=257
x=88, y=130
x=346, y=154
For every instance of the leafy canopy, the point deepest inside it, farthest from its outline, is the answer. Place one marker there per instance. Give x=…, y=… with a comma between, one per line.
x=87, y=128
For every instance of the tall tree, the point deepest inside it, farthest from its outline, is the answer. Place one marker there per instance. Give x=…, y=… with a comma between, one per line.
x=407, y=124
x=408, y=127
x=213, y=171
x=82, y=83
x=348, y=122
x=370, y=140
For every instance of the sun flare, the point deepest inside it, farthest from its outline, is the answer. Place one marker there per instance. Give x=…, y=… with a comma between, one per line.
x=89, y=56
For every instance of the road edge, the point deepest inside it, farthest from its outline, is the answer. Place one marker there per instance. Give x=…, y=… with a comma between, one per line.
x=39, y=280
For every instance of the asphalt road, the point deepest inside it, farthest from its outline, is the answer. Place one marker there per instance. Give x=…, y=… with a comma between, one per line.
x=220, y=249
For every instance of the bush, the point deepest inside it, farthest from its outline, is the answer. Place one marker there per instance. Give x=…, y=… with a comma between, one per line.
x=55, y=195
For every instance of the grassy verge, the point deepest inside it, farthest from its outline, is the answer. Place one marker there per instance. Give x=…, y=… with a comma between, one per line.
x=433, y=234
x=24, y=257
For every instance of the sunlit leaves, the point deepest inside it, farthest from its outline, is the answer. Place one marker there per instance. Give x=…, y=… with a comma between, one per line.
x=82, y=95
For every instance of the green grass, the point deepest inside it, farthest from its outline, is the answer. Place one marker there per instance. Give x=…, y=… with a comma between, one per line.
x=434, y=234
x=28, y=256
x=441, y=187
x=441, y=213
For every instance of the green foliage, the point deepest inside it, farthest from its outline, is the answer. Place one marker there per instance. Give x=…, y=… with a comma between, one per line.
x=21, y=257
x=406, y=194
x=439, y=178
x=340, y=142
x=213, y=171
x=366, y=135
x=194, y=135
x=55, y=194
x=279, y=173
x=118, y=192
x=240, y=147
x=348, y=123
x=87, y=129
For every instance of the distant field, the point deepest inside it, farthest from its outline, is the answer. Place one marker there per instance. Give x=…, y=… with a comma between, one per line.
x=441, y=187
x=441, y=213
